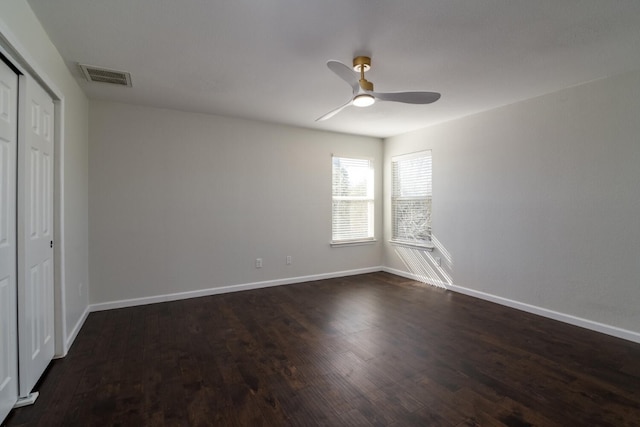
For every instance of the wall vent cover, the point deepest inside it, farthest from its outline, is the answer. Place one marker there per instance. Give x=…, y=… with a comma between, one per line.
x=105, y=75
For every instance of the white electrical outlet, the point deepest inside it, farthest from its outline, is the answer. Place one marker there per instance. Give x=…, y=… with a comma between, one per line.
x=258, y=262
x=289, y=260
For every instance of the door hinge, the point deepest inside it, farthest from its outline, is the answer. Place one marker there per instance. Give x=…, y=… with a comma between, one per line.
x=51, y=244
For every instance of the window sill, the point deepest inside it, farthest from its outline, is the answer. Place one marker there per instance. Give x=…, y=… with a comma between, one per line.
x=353, y=243
x=424, y=246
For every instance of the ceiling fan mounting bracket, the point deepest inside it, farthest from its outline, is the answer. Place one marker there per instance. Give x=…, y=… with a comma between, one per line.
x=361, y=62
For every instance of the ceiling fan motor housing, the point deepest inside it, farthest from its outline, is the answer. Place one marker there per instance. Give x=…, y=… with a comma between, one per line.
x=366, y=85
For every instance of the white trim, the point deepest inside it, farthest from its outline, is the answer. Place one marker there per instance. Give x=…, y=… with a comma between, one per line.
x=417, y=278
x=226, y=289
x=424, y=246
x=27, y=62
x=13, y=49
x=354, y=157
x=562, y=317
x=27, y=400
x=412, y=155
x=544, y=312
x=61, y=308
x=76, y=330
x=370, y=198
x=343, y=243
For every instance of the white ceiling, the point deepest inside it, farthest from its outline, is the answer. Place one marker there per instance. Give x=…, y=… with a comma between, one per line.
x=266, y=59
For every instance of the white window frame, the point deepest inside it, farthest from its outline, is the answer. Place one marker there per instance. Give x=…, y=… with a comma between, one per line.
x=343, y=236
x=418, y=190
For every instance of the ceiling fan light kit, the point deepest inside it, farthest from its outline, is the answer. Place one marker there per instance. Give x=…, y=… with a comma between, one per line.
x=363, y=94
x=363, y=100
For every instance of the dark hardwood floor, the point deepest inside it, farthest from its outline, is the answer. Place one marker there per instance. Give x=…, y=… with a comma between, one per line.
x=373, y=349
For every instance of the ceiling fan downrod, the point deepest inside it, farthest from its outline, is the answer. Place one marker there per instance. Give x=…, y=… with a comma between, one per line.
x=362, y=64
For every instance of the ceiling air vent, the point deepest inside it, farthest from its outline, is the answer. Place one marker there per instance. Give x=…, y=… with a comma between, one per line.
x=105, y=75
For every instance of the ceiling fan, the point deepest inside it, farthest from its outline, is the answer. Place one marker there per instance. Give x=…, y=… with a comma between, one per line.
x=363, y=93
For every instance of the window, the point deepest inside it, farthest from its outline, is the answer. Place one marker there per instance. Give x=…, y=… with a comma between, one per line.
x=411, y=199
x=352, y=216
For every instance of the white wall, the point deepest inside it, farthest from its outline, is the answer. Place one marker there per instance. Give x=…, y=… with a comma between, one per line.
x=538, y=203
x=20, y=27
x=183, y=202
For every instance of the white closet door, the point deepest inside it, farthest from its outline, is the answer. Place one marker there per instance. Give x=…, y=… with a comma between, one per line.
x=35, y=242
x=8, y=234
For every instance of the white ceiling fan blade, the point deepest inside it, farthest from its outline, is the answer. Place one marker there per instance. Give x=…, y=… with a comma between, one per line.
x=345, y=73
x=334, y=111
x=408, y=97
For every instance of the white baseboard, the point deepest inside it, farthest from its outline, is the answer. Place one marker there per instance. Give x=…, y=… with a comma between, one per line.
x=417, y=278
x=226, y=289
x=71, y=337
x=562, y=317
x=551, y=314
x=544, y=312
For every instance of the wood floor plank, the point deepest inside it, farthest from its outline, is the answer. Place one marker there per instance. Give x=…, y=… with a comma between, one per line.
x=368, y=350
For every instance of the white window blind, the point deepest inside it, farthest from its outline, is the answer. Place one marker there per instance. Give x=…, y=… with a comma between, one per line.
x=411, y=196
x=352, y=215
